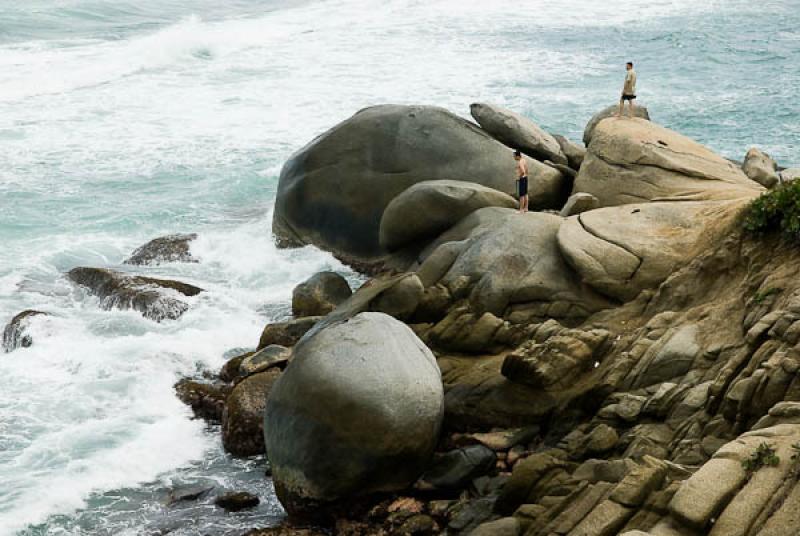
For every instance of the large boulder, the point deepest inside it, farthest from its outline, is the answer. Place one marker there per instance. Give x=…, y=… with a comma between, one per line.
x=760, y=167
x=429, y=208
x=320, y=294
x=357, y=411
x=610, y=111
x=243, y=417
x=14, y=334
x=574, y=152
x=620, y=251
x=635, y=161
x=332, y=193
x=517, y=132
x=156, y=299
x=171, y=248
x=497, y=258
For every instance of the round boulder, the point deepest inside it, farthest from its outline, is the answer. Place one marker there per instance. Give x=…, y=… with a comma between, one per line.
x=610, y=111
x=357, y=411
x=320, y=294
x=242, y=419
x=760, y=167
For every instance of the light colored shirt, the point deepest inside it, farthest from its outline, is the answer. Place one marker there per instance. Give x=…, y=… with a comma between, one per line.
x=630, y=83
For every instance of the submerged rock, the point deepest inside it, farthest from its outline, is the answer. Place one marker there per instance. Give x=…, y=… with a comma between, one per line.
x=148, y=295
x=171, y=248
x=14, y=335
x=320, y=294
x=237, y=500
x=358, y=411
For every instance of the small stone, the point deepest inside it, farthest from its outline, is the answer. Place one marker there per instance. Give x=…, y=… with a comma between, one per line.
x=237, y=500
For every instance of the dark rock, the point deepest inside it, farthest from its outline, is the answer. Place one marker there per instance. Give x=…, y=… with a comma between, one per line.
x=14, y=335
x=320, y=294
x=187, y=493
x=242, y=420
x=266, y=358
x=418, y=525
x=172, y=248
x=286, y=333
x=206, y=400
x=230, y=370
x=455, y=469
x=148, y=295
x=579, y=202
x=236, y=501
x=357, y=411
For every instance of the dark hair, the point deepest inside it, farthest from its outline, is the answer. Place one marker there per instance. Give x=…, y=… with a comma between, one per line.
x=517, y=152
x=630, y=63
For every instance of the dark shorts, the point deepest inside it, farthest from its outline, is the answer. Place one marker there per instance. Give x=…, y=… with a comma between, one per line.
x=522, y=186
x=628, y=97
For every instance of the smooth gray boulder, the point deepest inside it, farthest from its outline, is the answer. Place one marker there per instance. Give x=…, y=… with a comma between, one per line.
x=320, y=294
x=497, y=258
x=427, y=209
x=357, y=411
x=610, y=111
x=171, y=248
x=155, y=298
x=574, y=152
x=517, y=132
x=760, y=167
x=333, y=192
x=635, y=161
x=579, y=202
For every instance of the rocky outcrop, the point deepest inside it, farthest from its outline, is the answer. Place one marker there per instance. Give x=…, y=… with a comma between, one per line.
x=320, y=294
x=358, y=411
x=574, y=152
x=207, y=400
x=156, y=299
x=243, y=417
x=436, y=206
x=171, y=248
x=760, y=167
x=635, y=161
x=332, y=193
x=610, y=111
x=15, y=333
x=517, y=132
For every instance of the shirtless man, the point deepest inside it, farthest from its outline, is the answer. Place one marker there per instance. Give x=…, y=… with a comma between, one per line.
x=628, y=90
x=522, y=181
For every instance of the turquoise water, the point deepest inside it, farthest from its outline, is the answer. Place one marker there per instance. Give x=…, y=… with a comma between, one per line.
x=122, y=121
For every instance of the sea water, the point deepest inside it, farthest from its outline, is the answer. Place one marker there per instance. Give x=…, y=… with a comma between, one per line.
x=123, y=121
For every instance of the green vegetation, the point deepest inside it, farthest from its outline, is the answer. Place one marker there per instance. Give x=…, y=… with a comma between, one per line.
x=763, y=456
x=777, y=209
x=761, y=296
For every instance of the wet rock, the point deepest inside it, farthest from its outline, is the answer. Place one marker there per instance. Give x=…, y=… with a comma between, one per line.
x=154, y=298
x=517, y=132
x=320, y=294
x=286, y=333
x=171, y=248
x=14, y=334
x=187, y=494
x=207, y=400
x=242, y=420
x=358, y=411
x=237, y=500
x=455, y=469
x=760, y=167
x=230, y=370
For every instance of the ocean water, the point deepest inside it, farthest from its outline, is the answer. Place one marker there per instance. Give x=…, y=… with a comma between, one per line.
x=122, y=121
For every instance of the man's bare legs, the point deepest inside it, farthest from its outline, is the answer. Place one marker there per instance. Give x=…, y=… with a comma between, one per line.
x=621, y=107
x=630, y=109
x=523, y=204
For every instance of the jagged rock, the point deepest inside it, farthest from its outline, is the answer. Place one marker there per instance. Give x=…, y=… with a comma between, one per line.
x=287, y=333
x=621, y=251
x=639, y=483
x=483, y=258
x=574, y=152
x=635, y=161
x=320, y=294
x=171, y=248
x=517, y=132
x=236, y=501
x=14, y=334
x=760, y=167
x=151, y=297
x=610, y=111
x=507, y=526
x=333, y=192
x=528, y=481
x=579, y=202
x=242, y=420
x=207, y=400
x=455, y=469
x=464, y=331
x=466, y=516
x=268, y=357
x=427, y=209
x=671, y=357
x=357, y=411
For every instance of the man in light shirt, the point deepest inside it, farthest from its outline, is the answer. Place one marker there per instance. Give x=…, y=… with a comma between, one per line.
x=628, y=90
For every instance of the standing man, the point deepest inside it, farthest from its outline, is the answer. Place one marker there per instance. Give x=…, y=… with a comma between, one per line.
x=628, y=90
x=522, y=181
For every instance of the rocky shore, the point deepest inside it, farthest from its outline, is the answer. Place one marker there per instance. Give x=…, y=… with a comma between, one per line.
x=622, y=360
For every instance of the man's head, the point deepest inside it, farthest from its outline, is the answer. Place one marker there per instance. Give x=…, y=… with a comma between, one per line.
x=517, y=154
x=629, y=65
